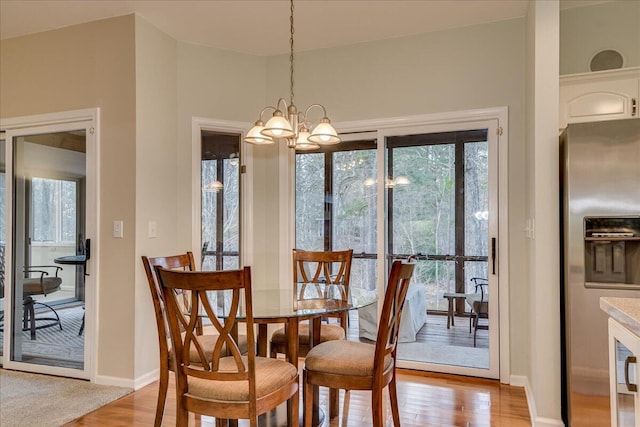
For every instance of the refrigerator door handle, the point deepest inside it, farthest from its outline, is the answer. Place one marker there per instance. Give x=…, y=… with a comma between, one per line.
x=629, y=360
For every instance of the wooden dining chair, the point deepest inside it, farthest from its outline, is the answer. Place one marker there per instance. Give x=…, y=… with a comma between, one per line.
x=184, y=262
x=352, y=365
x=226, y=387
x=328, y=268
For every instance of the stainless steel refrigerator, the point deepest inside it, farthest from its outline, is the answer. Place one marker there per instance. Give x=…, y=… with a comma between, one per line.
x=600, y=241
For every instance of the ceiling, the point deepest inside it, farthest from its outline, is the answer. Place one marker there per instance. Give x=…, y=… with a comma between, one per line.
x=261, y=27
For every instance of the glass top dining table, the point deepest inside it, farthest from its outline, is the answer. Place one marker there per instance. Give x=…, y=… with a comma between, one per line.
x=310, y=302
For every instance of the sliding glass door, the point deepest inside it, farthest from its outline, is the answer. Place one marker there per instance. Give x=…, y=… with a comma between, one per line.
x=48, y=283
x=439, y=188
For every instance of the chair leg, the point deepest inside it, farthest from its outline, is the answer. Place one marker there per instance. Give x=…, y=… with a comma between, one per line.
x=162, y=395
x=376, y=407
x=475, y=333
x=308, y=401
x=182, y=416
x=334, y=404
x=393, y=397
x=293, y=415
x=345, y=408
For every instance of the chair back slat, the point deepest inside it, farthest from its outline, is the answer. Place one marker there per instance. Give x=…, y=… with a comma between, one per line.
x=394, y=298
x=322, y=265
x=183, y=262
x=227, y=365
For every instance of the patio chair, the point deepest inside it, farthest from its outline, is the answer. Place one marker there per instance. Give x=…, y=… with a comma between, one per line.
x=479, y=303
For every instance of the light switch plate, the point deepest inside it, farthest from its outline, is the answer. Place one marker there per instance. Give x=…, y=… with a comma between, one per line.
x=153, y=232
x=118, y=229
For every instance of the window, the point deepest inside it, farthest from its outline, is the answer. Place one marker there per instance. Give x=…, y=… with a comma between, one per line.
x=53, y=202
x=336, y=204
x=220, y=183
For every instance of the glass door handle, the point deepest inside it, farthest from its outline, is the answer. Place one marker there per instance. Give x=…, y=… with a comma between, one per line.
x=629, y=360
x=493, y=255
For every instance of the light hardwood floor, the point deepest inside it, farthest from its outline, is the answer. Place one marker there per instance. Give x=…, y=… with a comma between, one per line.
x=426, y=400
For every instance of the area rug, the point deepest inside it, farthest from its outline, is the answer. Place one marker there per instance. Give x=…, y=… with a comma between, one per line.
x=443, y=354
x=48, y=401
x=52, y=343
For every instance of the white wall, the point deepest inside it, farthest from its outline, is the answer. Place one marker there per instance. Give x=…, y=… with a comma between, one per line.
x=86, y=66
x=543, y=208
x=584, y=31
x=156, y=173
x=213, y=84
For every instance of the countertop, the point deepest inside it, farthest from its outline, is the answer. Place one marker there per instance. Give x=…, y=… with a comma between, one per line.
x=624, y=310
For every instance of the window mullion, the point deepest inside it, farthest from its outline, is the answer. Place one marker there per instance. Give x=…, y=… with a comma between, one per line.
x=328, y=201
x=459, y=220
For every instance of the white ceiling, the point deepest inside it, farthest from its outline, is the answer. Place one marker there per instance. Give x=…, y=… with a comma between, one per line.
x=261, y=27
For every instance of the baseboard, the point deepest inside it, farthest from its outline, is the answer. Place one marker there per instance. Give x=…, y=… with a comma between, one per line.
x=115, y=381
x=523, y=381
x=135, y=384
x=147, y=379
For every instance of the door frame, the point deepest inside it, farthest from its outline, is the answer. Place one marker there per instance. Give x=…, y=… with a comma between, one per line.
x=88, y=119
x=199, y=124
x=434, y=123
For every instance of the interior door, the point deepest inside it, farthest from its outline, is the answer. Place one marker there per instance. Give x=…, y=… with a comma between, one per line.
x=51, y=184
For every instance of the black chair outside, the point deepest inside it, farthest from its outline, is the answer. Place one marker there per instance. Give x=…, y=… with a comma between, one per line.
x=479, y=303
x=41, y=280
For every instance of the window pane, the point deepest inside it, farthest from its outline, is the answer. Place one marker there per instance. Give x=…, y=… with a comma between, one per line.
x=209, y=211
x=220, y=183
x=476, y=198
x=363, y=273
x=68, y=196
x=354, y=201
x=474, y=269
x=44, y=204
x=231, y=228
x=423, y=197
x=310, y=201
x=440, y=277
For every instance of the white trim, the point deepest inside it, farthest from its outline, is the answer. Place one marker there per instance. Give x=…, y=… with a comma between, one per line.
x=116, y=381
x=522, y=381
x=199, y=124
x=88, y=119
x=598, y=76
x=422, y=119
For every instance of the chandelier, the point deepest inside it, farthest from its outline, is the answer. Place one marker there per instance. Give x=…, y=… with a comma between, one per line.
x=294, y=127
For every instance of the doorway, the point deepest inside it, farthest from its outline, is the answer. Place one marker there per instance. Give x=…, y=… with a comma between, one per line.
x=49, y=291
x=441, y=187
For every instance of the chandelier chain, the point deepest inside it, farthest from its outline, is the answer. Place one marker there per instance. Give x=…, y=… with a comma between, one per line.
x=291, y=52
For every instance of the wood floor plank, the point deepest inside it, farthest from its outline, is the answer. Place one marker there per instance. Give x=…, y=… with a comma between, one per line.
x=426, y=399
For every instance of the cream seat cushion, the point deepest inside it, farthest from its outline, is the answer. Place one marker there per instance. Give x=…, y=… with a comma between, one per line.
x=343, y=358
x=271, y=374
x=327, y=333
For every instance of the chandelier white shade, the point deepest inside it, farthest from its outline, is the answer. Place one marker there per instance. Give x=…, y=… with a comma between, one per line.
x=294, y=126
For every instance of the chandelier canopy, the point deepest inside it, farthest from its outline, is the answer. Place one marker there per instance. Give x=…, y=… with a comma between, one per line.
x=294, y=127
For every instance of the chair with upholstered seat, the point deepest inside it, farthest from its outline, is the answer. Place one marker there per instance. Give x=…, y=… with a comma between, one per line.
x=352, y=365
x=39, y=280
x=328, y=268
x=184, y=262
x=226, y=387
